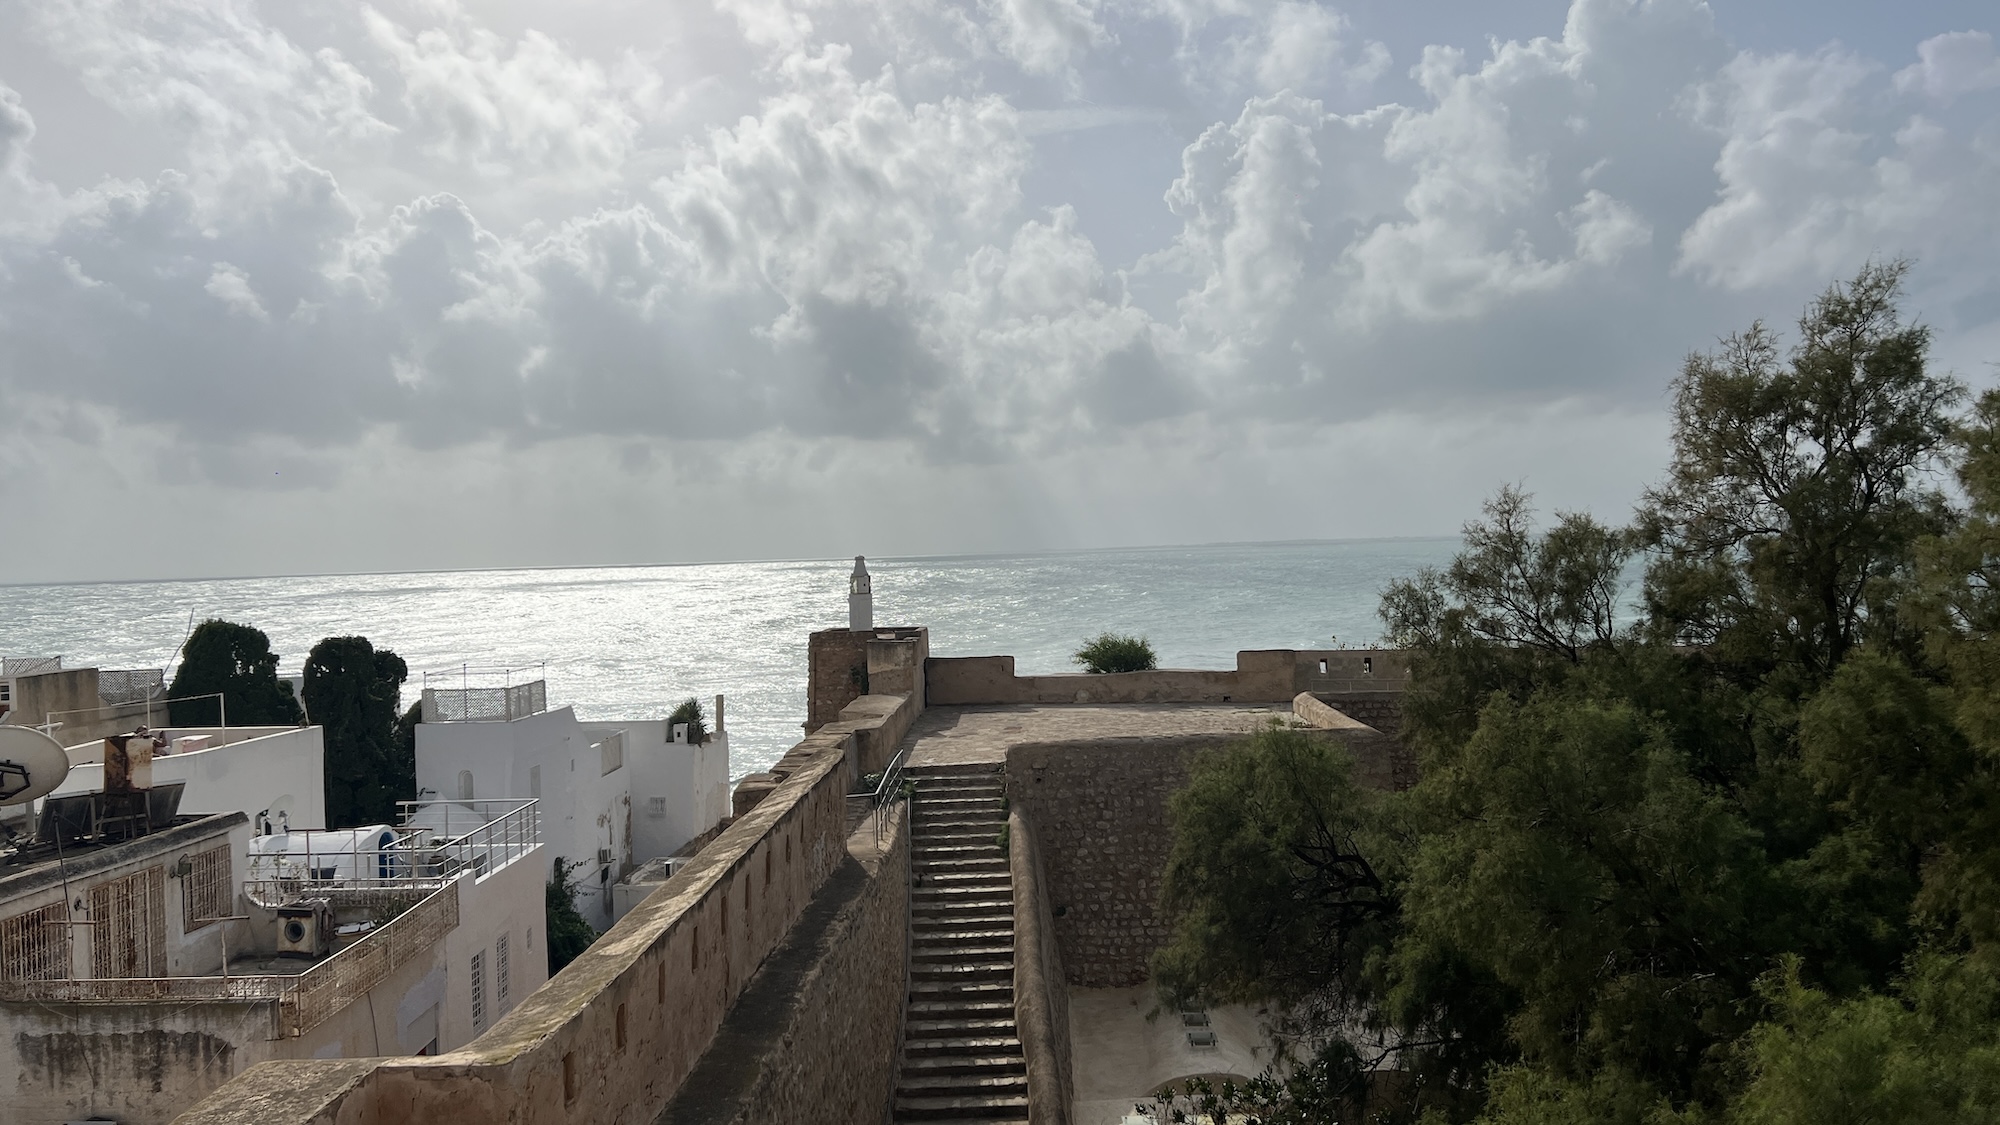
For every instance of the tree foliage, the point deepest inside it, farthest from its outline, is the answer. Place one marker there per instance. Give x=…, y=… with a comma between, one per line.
x=1726, y=851
x=690, y=712
x=353, y=690
x=236, y=662
x=1112, y=652
x=569, y=935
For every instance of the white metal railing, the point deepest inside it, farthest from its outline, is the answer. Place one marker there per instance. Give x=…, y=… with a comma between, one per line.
x=13, y=666
x=485, y=704
x=305, y=1000
x=437, y=841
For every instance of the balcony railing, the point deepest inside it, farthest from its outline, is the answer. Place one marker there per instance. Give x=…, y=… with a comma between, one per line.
x=13, y=666
x=485, y=704
x=437, y=841
x=305, y=1000
x=339, y=980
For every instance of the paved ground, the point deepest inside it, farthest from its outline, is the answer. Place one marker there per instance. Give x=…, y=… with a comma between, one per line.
x=965, y=735
x=1124, y=1046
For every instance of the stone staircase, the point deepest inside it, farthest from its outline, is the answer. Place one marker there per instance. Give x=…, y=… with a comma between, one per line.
x=962, y=1058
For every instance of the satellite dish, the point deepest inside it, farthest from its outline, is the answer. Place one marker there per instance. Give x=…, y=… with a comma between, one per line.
x=31, y=765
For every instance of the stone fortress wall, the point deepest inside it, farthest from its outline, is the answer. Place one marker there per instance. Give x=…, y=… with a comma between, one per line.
x=618, y=1034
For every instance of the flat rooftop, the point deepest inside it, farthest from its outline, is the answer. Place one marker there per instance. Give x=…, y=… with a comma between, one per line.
x=33, y=866
x=944, y=736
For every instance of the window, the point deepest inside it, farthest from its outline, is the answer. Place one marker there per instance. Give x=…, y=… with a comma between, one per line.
x=35, y=945
x=465, y=785
x=479, y=991
x=128, y=937
x=656, y=806
x=1322, y=667
x=500, y=973
x=205, y=892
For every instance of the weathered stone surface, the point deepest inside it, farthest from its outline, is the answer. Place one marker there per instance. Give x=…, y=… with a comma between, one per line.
x=813, y=1037
x=1099, y=810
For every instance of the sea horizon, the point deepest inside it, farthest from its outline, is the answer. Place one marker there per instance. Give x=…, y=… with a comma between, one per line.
x=628, y=641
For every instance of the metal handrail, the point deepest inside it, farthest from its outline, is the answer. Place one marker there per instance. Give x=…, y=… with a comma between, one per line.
x=892, y=779
x=423, y=856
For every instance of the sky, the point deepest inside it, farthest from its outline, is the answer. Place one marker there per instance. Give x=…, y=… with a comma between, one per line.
x=426, y=284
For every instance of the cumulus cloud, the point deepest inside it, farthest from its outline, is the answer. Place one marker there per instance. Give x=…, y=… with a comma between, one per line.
x=528, y=107
x=401, y=227
x=1817, y=170
x=1951, y=65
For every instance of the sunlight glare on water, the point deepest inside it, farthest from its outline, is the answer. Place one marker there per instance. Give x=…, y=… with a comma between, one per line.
x=629, y=642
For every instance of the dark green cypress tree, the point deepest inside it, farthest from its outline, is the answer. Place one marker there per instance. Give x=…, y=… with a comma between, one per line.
x=353, y=691
x=237, y=662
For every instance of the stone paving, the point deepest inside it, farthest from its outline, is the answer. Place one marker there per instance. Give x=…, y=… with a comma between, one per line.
x=944, y=736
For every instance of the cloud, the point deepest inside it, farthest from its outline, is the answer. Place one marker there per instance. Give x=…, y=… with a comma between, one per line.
x=1951, y=66
x=1818, y=171
x=526, y=108
x=815, y=231
x=17, y=128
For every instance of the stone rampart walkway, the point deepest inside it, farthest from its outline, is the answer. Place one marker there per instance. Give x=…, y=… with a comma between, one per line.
x=949, y=736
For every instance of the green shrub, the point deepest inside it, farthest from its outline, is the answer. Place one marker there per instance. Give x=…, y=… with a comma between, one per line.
x=690, y=712
x=1110, y=652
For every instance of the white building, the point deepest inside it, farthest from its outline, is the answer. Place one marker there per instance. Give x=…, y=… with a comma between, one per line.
x=114, y=996
x=138, y=972
x=613, y=794
x=277, y=772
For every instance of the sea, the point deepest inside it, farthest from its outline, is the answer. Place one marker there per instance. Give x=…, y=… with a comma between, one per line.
x=630, y=642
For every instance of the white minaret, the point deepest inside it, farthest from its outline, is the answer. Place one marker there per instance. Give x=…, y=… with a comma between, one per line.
x=860, y=598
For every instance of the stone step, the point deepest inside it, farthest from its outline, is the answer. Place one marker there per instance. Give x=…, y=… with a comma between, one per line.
x=963, y=927
x=965, y=890
x=962, y=992
x=999, y=917
x=961, y=1085
x=989, y=969
x=960, y=951
x=932, y=852
x=936, y=906
x=956, y=825
x=923, y=1012
x=933, y=1065
x=992, y=1108
x=976, y=868
x=962, y=1045
x=946, y=911
x=996, y=1027
x=946, y=880
x=957, y=834
x=973, y=931
x=998, y=885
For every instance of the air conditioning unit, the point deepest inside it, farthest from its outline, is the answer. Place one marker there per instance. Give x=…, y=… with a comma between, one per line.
x=305, y=929
x=603, y=856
